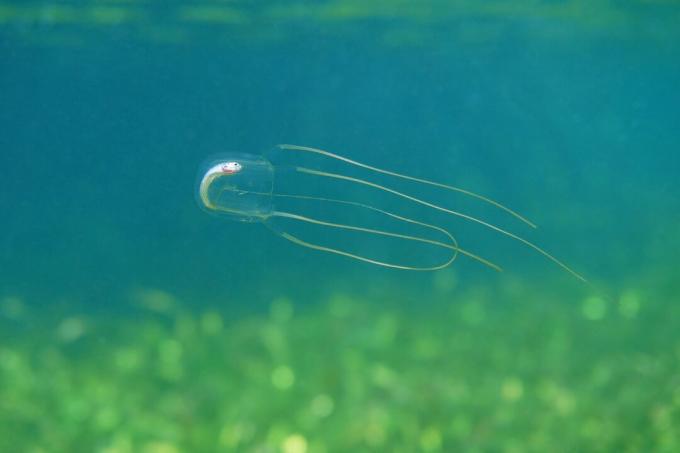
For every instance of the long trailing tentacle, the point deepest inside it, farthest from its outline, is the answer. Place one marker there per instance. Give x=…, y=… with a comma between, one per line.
x=365, y=259
x=407, y=177
x=453, y=246
x=448, y=211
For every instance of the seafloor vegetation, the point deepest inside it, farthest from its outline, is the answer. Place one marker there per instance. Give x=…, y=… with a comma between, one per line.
x=513, y=370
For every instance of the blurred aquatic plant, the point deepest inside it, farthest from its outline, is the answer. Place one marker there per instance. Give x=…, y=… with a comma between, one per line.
x=350, y=375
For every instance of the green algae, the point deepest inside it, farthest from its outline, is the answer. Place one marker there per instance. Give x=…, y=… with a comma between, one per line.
x=349, y=375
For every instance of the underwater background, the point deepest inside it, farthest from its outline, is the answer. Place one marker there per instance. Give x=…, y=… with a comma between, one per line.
x=133, y=321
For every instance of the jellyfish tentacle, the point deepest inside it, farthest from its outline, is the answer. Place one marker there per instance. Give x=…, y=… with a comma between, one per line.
x=454, y=247
x=303, y=243
x=449, y=211
x=410, y=178
x=263, y=217
x=457, y=249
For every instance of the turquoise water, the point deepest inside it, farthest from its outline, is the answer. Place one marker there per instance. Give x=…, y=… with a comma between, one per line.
x=132, y=320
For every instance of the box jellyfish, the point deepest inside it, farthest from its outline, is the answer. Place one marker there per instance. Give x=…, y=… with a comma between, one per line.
x=243, y=187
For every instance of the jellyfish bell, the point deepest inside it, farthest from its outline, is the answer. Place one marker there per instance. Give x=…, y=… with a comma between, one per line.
x=236, y=185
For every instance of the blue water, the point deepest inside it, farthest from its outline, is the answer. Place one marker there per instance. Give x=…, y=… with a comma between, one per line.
x=104, y=128
x=101, y=147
